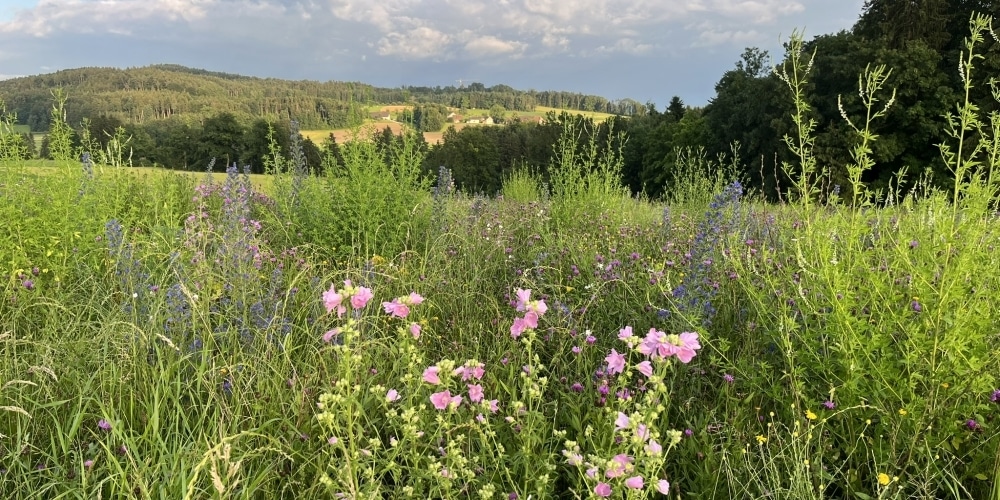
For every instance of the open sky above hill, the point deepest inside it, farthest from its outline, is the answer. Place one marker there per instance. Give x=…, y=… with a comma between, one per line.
x=647, y=50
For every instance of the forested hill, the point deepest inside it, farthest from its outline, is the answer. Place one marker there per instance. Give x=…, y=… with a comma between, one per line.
x=139, y=95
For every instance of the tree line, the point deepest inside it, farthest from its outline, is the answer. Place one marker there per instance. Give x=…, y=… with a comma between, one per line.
x=143, y=95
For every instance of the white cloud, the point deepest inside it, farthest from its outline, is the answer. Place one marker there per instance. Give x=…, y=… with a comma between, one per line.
x=418, y=43
x=86, y=16
x=490, y=46
x=712, y=37
x=625, y=45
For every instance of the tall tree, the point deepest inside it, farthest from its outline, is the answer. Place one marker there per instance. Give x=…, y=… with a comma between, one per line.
x=676, y=108
x=751, y=107
x=896, y=22
x=221, y=138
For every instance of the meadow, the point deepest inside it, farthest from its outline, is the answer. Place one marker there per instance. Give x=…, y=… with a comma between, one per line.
x=372, y=333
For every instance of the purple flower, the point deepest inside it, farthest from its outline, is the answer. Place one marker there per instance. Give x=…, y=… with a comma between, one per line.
x=829, y=404
x=28, y=284
x=104, y=425
x=728, y=378
x=995, y=397
x=973, y=425
x=916, y=306
x=577, y=387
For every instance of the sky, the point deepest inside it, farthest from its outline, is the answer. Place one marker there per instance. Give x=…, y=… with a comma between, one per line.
x=647, y=50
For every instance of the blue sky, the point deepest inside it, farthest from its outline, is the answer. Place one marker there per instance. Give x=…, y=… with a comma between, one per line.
x=647, y=50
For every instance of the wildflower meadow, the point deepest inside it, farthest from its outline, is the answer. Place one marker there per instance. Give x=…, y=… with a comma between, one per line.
x=373, y=333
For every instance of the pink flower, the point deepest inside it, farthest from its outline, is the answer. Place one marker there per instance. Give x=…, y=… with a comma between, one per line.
x=441, y=400
x=475, y=372
x=361, y=297
x=518, y=327
x=634, y=482
x=415, y=330
x=655, y=343
x=414, y=298
x=431, y=375
x=475, y=393
x=602, y=490
x=624, y=461
x=392, y=395
x=653, y=448
x=642, y=432
x=531, y=319
x=332, y=300
x=329, y=335
x=622, y=422
x=536, y=306
x=663, y=486
x=494, y=405
x=687, y=344
x=616, y=362
x=645, y=368
x=523, y=296
x=625, y=333
x=456, y=400
x=396, y=308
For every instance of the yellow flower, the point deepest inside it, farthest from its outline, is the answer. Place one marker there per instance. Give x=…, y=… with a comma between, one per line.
x=810, y=415
x=902, y=411
x=761, y=439
x=883, y=479
x=945, y=385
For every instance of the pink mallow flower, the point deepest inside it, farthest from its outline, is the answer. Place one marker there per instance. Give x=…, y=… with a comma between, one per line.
x=431, y=375
x=645, y=368
x=687, y=344
x=518, y=327
x=625, y=334
x=332, y=300
x=663, y=486
x=441, y=400
x=616, y=362
x=634, y=482
x=602, y=490
x=655, y=344
x=330, y=335
x=396, y=308
x=392, y=395
x=361, y=297
x=415, y=330
x=622, y=422
x=475, y=393
x=523, y=296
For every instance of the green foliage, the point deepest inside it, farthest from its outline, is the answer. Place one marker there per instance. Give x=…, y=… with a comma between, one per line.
x=60, y=134
x=13, y=144
x=585, y=177
x=375, y=202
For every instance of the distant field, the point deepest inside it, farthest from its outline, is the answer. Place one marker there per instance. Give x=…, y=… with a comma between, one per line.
x=597, y=117
x=49, y=167
x=342, y=135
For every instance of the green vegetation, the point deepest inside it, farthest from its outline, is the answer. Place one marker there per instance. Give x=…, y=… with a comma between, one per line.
x=347, y=330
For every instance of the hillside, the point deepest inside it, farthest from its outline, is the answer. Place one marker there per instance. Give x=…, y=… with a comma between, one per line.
x=140, y=95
